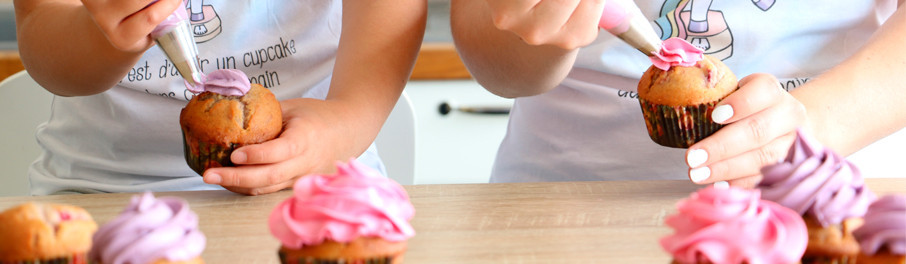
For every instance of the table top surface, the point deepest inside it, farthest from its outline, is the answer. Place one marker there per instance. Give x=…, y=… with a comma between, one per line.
x=562, y=222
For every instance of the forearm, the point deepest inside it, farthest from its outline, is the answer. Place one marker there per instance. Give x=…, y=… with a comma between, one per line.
x=861, y=100
x=378, y=46
x=499, y=60
x=65, y=51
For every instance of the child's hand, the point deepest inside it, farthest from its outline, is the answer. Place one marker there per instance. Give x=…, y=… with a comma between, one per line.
x=311, y=141
x=761, y=120
x=126, y=24
x=565, y=24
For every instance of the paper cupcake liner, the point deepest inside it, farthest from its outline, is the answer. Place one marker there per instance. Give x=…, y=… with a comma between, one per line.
x=201, y=155
x=74, y=259
x=310, y=260
x=678, y=126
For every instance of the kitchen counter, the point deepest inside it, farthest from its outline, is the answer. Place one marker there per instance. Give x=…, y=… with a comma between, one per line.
x=562, y=222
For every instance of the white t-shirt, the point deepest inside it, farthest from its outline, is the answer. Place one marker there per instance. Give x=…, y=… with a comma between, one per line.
x=590, y=127
x=128, y=138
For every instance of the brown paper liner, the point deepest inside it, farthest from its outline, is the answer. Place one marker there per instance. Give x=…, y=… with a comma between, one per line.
x=678, y=126
x=201, y=155
x=79, y=258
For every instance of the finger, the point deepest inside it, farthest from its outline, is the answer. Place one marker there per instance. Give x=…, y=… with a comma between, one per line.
x=263, y=190
x=252, y=176
x=582, y=27
x=276, y=150
x=547, y=22
x=748, y=133
x=757, y=91
x=746, y=182
x=744, y=165
x=508, y=14
x=138, y=25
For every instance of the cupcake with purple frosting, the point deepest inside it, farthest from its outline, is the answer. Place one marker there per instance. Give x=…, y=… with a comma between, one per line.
x=150, y=230
x=827, y=190
x=883, y=235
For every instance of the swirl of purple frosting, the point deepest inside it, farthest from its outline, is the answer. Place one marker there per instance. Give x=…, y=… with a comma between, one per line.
x=148, y=230
x=816, y=181
x=174, y=19
x=885, y=226
x=226, y=82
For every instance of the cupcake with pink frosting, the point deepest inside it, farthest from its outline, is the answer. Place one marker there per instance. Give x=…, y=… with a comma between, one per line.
x=354, y=216
x=229, y=112
x=882, y=236
x=150, y=230
x=731, y=225
x=827, y=190
x=680, y=90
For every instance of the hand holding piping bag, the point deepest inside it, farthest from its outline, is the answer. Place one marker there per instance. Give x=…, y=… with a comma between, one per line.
x=623, y=19
x=178, y=43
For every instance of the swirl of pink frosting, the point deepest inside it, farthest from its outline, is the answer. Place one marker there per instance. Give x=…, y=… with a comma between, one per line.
x=356, y=202
x=148, y=230
x=733, y=225
x=174, y=19
x=676, y=52
x=816, y=181
x=226, y=82
x=884, y=226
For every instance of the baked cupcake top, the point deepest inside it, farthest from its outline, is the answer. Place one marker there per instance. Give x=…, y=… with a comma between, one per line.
x=149, y=229
x=816, y=182
x=227, y=82
x=884, y=226
x=682, y=76
x=733, y=225
x=355, y=202
x=44, y=231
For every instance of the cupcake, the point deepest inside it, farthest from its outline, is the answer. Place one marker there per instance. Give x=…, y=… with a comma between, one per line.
x=228, y=113
x=679, y=91
x=150, y=230
x=731, y=225
x=45, y=233
x=354, y=216
x=882, y=236
x=827, y=190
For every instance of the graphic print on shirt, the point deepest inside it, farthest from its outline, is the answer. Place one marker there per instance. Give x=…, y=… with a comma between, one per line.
x=697, y=23
x=204, y=19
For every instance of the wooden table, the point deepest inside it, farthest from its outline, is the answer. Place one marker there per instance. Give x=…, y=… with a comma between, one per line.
x=568, y=222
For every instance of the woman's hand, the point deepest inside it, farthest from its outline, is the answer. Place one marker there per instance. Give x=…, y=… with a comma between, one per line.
x=761, y=120
x=126, y=24
x=311, y=142
x=567, y=24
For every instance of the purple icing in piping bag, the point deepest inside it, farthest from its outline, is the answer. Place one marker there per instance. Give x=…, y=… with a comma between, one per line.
x=174, y=19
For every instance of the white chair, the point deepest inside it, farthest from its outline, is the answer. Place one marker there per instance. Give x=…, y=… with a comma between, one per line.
x=396, y=142
x=23, y=106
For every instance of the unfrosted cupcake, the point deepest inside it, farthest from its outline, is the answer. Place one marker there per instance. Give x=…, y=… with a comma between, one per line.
x=150, y=230
x=354, y=216
x=229, y=113
x=883, y=235
x=45, y=233
x=734, y=226
x=827, y=190
x=680, y=90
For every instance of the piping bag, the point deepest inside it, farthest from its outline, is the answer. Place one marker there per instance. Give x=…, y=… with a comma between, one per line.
x=178, y=43
x=623, y=19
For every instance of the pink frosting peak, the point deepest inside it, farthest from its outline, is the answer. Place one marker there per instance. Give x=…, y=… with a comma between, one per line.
x=884, y=226
x=148, y=230
x=226, y=82
x=816, y=181
x=676, y=52
x=733, y=225
x=174, y=19
x=355, y=202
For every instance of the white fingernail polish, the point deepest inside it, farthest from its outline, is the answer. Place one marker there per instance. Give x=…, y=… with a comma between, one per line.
x=722, y=113
x=700, y=174
x=696, y=157
x=721, y=185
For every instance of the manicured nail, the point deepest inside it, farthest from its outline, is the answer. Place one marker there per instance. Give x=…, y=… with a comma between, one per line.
x=722, y=113
x=239, y=157
x=721, y=185
x=212, y=178
x=696, y=157
x=699, y=174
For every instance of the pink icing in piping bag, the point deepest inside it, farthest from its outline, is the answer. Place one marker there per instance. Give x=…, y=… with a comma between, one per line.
x=623, y=19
